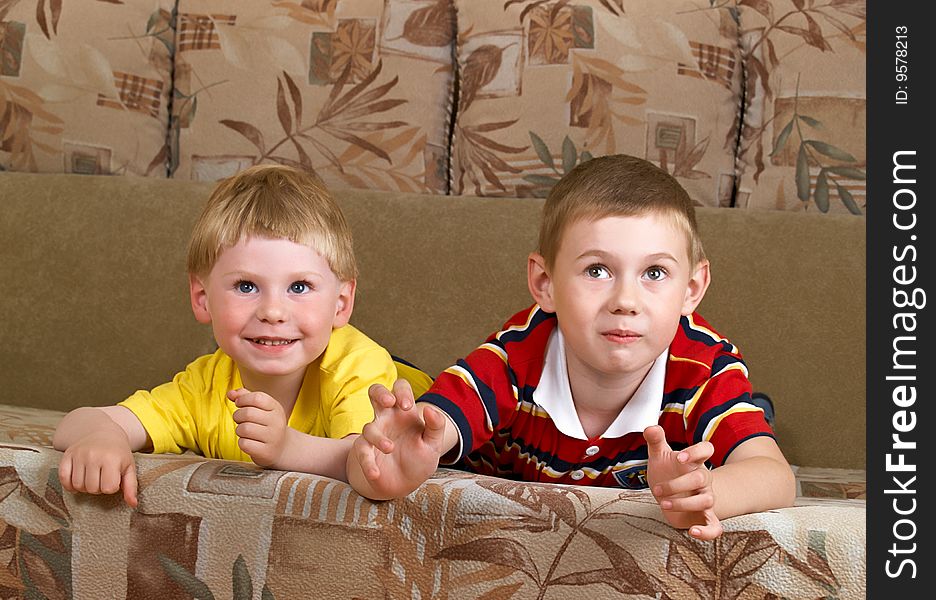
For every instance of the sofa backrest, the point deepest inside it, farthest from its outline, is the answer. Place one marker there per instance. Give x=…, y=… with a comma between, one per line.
x=751, y=104
x=97, y=306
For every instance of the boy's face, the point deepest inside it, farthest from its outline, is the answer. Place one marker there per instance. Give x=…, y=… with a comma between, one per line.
x=618, y=287
x=272, y=305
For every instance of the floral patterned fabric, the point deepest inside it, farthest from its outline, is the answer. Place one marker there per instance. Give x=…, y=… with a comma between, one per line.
x=363, y=92
x=220, y=529
x=546, y=85
x=356, y=90
x=84, y=86
x=803, y=140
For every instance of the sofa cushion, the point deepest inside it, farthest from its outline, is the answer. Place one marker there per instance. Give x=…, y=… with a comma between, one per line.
x=220, y=529
x=85, y=87
x=358, y=90
x=543, y=86
x=803, y=137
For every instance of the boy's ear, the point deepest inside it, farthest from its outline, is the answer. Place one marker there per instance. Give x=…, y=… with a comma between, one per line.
x=199, y=297
x=539, y=281
x=698, y=283
x=345, y=304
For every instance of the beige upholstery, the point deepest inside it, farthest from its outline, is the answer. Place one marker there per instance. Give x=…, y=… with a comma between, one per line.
x=98, y=305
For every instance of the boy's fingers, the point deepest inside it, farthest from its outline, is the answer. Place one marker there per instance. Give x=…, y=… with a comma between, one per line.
x=698, y=453
x=434, y=432
x=697, y=503
x=250, y=414
x=110, y=479
x=365, y=455
x=710, y=530
x=233, y=395
x=380, y=397
x=258, y=400
x=93, y=480
x=690, y=482
x=129, y=485
x=78, y=477
x=404, y=394
x=656, y=440
x=376, y=438
x=65, y=473
x=251, y=431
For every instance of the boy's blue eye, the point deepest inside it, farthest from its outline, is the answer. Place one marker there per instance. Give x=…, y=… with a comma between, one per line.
x=299, y=287
x=597, y=272
x=656, y=273
x=246, y=287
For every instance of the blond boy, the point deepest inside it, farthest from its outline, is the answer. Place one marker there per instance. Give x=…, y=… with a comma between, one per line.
x=595, y=382
x=272, y=269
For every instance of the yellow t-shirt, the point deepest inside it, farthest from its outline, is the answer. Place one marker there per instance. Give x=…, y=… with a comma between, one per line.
x=192, y=411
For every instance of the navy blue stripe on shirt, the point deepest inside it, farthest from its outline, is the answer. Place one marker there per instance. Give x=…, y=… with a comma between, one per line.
x=698, y=336
x=457, y=416
x=488, y=398
x=678, y=396
x=725, y=360
x=741, y=441
x=508, y=336
x=715, y=412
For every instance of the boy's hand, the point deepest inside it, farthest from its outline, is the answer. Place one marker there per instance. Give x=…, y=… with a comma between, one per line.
x=262, y=426
x=401, y=447
x=682, y=484
x=100, y=463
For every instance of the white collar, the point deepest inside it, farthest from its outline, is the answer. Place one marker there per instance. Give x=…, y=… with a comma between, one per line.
x=554, y=395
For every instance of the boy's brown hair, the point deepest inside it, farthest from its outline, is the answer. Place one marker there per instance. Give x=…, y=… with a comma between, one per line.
x=616, y=185
x=272, y=201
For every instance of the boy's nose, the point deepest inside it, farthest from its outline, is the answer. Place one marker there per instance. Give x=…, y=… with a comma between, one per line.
x=624, y=299
x=271, y=310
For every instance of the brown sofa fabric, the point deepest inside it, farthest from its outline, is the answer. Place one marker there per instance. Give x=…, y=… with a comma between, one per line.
x=100, y=305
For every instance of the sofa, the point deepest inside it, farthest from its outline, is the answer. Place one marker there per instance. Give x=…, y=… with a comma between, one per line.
x=439, y=125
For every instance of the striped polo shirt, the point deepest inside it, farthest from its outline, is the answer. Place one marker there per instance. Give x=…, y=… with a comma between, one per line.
x=698, y=390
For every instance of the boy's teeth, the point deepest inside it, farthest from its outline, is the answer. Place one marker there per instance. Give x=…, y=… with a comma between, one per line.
x=272, y=342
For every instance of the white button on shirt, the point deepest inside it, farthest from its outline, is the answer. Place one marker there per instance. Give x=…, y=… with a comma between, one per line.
x=592, y=450
x=554, y=395
x=577, y=474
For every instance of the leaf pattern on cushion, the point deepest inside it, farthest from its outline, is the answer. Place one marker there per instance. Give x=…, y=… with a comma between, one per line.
x=477, y=155
x=593, y=82
x=341, y=117
x=814, y=25
x=834, y=164
x=36, y=558
x=458, y=535
x=22, y=116
x=431, y=25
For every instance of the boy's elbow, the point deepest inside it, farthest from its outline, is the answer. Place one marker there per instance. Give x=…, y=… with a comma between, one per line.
x=787, y=488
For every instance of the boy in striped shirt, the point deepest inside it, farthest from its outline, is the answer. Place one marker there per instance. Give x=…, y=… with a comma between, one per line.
x=610, y=378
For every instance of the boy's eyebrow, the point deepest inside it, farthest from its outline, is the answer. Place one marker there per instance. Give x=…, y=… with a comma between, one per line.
x=294, y=276
x=603, y=255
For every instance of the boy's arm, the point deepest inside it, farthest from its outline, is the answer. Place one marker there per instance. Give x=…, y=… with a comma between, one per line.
x=401, y=447
x=755, y=477
x=263, y=433
x=98, y=443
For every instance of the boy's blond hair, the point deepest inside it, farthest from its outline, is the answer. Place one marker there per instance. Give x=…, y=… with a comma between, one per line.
x=272, y=201
x=616, y=185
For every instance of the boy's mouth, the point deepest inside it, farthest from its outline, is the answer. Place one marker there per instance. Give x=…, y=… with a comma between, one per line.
x=271, y=341
x=621, y=336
